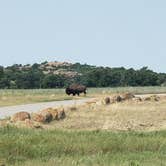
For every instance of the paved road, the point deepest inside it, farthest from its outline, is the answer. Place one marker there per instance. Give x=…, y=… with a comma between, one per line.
x=10, y=110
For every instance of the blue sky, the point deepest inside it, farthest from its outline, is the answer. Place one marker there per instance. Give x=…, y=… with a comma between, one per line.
x=129, y=33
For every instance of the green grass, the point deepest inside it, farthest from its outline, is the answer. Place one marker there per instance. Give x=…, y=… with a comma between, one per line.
x=54, y=147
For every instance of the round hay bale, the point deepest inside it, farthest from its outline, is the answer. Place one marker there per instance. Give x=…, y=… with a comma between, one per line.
x=61, y=114
x=53, y=112
x=155, y=98
x=31, y=124
x=147, y=99
x=47, y=116
x=107, y=100
x=127, y=96
x=20, y=116
x=152, y=98
x=117, y=98
x=137, y=99
x=38, y=118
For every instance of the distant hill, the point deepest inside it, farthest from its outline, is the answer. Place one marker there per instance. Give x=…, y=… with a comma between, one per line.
x=56, y=68
x=60, y=74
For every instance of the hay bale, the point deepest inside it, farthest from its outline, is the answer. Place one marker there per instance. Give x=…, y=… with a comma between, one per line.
x=53, y=112
x=117, y=98
x=137, y=99
x=107, y=100
x=47, y=116
x=152, y=98
x=127, y=96
x=32, y=124
x=38, y=118
x=147, y=99
x=20, y=116
x=28, y=123
x=155, y=98
x=61, y=113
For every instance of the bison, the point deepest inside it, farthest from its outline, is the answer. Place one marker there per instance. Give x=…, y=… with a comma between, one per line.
x=75, y=89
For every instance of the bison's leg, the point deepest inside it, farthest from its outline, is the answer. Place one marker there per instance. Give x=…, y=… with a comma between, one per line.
x=78, y=93
x=85, y=92
x=69, y=93
x=74, y=94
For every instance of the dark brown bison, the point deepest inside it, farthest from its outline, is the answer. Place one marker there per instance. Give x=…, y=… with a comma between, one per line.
x=75, y=89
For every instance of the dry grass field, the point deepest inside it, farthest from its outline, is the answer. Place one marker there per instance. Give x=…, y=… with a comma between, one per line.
x=122, y=116
x=15, y=97
x=145, y=115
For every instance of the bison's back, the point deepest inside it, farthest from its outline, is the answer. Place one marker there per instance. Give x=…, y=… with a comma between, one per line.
x=75, y=89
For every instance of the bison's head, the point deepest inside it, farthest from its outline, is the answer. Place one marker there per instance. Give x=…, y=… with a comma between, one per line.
x=68, y=92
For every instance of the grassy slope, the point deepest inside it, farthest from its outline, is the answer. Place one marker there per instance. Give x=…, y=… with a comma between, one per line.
x=15, y=97
x=41, y=147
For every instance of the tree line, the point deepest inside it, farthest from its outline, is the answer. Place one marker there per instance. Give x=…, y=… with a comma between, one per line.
x=13, y=78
